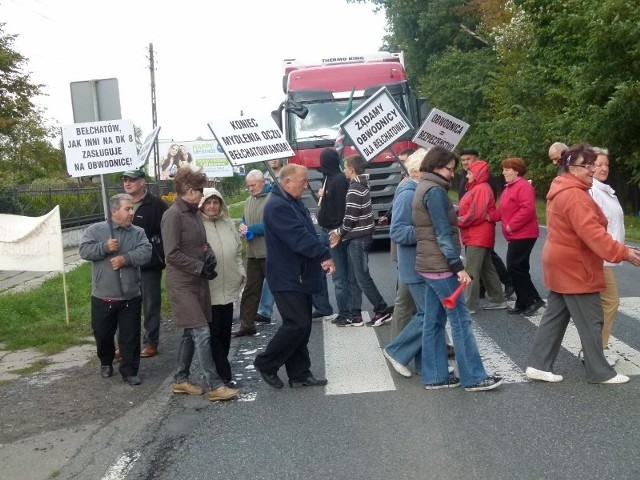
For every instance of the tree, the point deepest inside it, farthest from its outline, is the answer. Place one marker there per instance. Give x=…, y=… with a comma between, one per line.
x=26, y=149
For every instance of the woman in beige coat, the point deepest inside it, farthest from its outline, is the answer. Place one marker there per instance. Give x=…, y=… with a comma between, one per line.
x=225, y=289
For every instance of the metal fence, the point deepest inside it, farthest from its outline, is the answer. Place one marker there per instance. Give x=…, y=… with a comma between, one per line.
x=78, y=205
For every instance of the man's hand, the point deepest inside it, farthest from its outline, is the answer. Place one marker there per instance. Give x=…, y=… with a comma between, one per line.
x=328, y=266
x=383, y=221
x=117, y=262
x=112, y=245
x=334, y=239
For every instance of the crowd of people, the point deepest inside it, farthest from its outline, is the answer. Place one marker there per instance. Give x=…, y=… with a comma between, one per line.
x=440, y=249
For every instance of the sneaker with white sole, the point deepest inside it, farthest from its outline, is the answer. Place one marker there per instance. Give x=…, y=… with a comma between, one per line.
x=495, y=306
x=619, y=378
x=488, y=383
x=351, y=322
x=535, y=374
x=397, y=366
x=379, y=319
x=451, y=382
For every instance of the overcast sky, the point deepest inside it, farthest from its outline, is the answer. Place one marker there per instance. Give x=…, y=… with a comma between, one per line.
x=212, y=58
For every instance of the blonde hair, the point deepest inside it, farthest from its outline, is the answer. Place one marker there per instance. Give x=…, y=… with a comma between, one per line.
x=414, y=160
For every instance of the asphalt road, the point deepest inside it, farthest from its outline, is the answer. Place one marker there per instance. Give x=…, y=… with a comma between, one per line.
x=523, y=430
x=371, y=423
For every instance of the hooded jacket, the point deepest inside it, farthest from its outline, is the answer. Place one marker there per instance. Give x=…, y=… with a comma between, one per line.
x=334, y=198
x=577, y=239
x=474, y=207
x=227, y=247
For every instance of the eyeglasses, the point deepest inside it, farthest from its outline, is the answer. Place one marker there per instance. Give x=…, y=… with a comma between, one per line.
x=588, y=166
x=201, y=189
x=451, y=170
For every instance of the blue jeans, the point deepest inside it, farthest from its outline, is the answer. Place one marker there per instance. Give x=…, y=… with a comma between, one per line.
x=360, y=280
x=340, y=277
x=434, y=351
x=198, y=341
x=266, y=301
x=408, y=343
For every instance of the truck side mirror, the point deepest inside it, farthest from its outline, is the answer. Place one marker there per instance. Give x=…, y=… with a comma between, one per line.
x=296, y=108
x=423, y=109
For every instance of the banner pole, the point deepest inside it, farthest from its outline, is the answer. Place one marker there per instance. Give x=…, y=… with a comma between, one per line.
x=66, y=300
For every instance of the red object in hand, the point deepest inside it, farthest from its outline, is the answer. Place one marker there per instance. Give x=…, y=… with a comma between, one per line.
x=450, y=301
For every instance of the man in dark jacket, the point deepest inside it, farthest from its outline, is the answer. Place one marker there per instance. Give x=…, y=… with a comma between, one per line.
x=330, y=214
x=294, y=271
x=148, y=215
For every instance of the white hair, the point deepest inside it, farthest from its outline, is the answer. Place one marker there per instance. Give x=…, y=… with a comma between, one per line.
x=255, y=175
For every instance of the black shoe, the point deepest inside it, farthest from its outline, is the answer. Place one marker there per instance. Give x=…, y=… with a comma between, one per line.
x=509, y=291
x=230, y=384
x=132, y=380
x=515, y=310
x=262, y=319
x=318, y=314
x=271, y=379
x=531, y=310
x=106, y=371
x=308, y=382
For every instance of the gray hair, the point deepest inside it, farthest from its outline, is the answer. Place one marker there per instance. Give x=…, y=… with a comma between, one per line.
x=601, y=151
x=255, y=175
x=114, y=202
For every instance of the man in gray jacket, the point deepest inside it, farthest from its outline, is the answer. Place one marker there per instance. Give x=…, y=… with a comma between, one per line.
x=116, y=300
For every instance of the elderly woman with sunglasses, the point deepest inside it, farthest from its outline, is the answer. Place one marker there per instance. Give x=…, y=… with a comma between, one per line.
x=577, y=242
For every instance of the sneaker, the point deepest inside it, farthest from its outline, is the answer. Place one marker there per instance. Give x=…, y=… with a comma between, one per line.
x=451, y=352
x=338, y=318
x=612, y=357
x=535, y=374
x=397, y=366
x=488, y=383
x=619, y=378
x=495, y=306
x=451, y=382
x=351, y=322
x=223, y=393
x=380, y=319
x=186, y=387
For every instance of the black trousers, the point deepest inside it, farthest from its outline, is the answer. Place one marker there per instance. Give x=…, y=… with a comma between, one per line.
x=124, y=315
x=288, y=346
x=220, y=328
x=518, y=254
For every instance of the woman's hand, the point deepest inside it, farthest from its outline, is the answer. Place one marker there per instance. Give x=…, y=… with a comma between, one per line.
x=464, y=277
x=633, y=257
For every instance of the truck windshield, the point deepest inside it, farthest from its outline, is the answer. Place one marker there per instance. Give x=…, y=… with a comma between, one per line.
x=323, y=120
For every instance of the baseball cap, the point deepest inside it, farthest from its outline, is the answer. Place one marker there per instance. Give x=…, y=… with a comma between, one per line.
x=135, y=174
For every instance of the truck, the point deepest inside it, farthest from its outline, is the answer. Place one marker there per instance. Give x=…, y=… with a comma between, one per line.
x=317, y=93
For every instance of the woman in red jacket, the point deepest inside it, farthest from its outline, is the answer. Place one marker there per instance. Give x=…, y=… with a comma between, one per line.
x=577, y=242
x=478, y=234
x=517, y=211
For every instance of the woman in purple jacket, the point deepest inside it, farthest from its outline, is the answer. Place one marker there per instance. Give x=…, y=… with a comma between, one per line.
x=517, y=211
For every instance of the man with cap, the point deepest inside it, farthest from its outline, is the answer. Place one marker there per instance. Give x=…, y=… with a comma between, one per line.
x=148, y=215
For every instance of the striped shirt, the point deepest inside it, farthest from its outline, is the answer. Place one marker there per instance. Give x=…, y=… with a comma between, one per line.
x=358, y=216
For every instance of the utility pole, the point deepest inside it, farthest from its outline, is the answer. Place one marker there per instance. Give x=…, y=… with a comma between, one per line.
x=154, y=113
